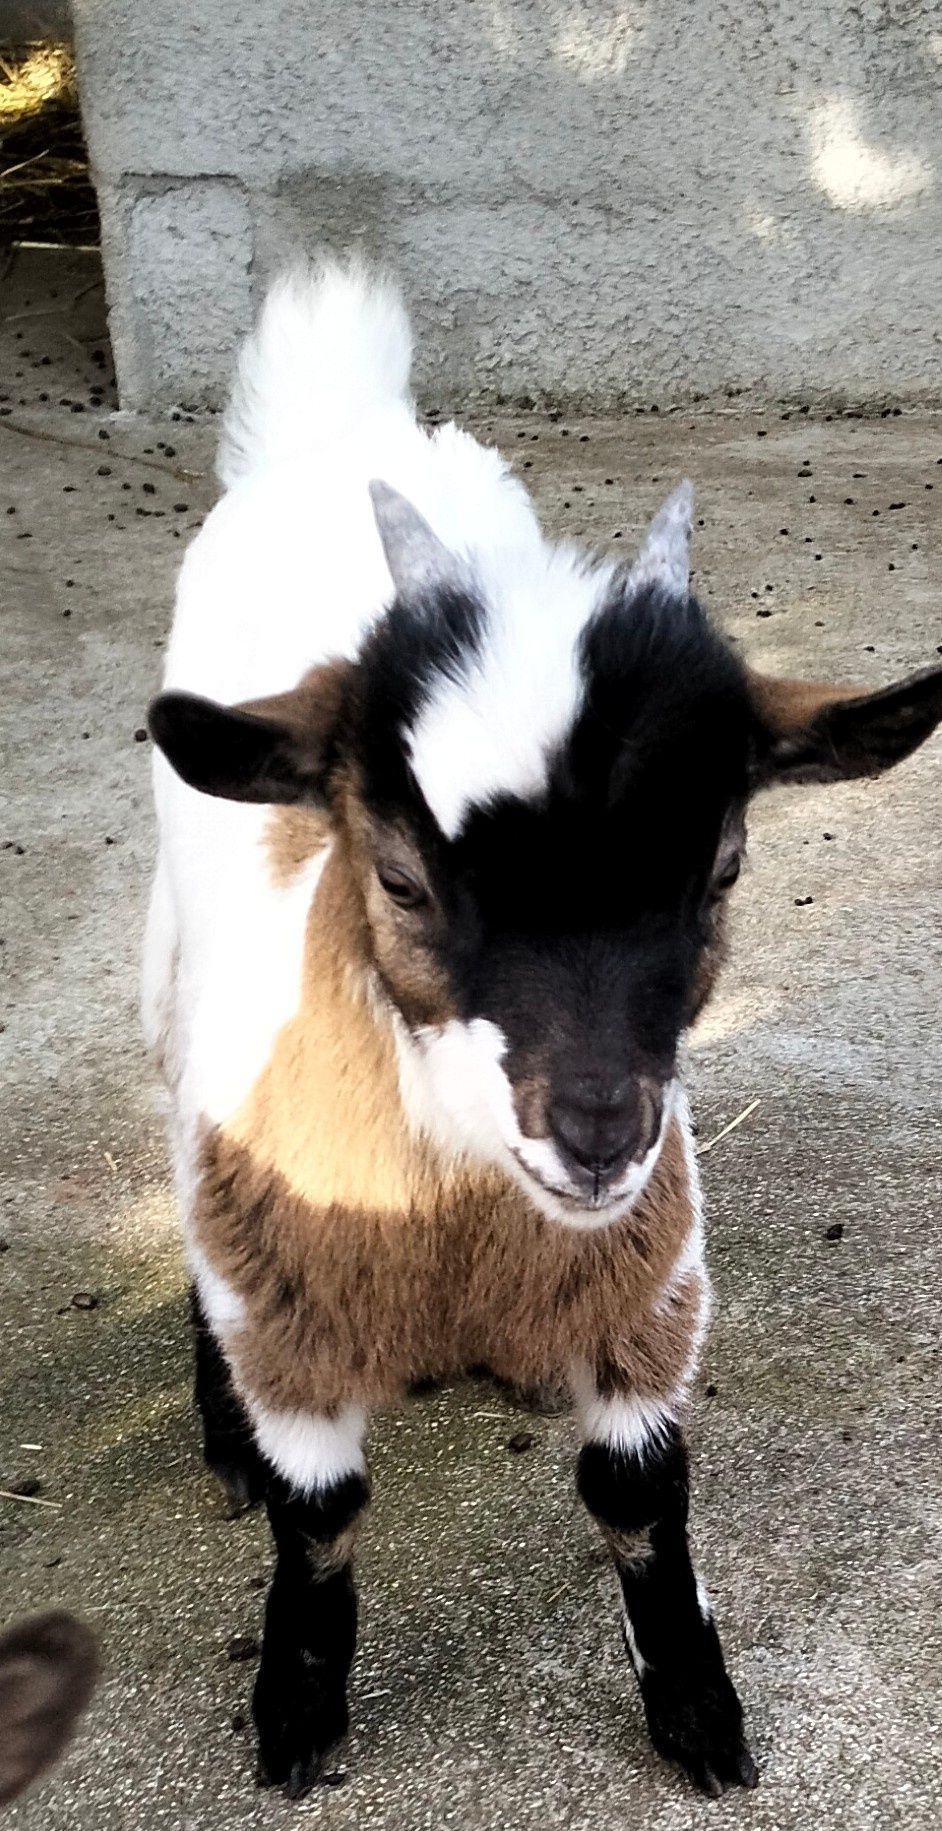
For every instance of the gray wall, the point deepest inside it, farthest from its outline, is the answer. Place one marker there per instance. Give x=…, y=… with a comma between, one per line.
x=656, y=201
x=23, y=21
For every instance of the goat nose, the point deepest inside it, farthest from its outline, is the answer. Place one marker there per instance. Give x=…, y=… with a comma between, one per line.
x=604, y=1136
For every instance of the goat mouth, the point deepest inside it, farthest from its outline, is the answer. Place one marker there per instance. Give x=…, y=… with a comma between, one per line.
x=596, y=1200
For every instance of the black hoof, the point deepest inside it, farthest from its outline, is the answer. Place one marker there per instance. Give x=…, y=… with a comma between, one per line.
x=242, y=1484
x=298, y=1738
x=700, y=1727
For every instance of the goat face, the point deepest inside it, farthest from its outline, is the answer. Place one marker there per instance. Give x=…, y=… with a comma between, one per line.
x=539, y=769
x=546, y=942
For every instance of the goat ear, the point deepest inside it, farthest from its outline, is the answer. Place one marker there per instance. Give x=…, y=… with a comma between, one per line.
x=416, y=558
x=280, y=749
x=664, y=557
x=48, y=1668
x=810, y=732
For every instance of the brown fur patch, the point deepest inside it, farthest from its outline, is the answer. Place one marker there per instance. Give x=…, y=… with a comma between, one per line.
x=531, y=1101
x=365, y=1262
x=312, y=710
x=712, y=959
x=292, y=837
x=788, y=705
x=326, y=1556
x=630, y=1550
x=349, y=1302
x=400, y=938
x=48, y=1669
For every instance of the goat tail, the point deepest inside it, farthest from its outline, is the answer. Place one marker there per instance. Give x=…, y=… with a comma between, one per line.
x=332, y=343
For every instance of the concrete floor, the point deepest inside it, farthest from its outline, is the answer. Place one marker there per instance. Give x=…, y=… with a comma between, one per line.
x=491, y=1689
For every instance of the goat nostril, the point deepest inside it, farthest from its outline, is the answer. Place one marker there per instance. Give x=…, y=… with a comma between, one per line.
x=603, y=1139
x=598, y=1139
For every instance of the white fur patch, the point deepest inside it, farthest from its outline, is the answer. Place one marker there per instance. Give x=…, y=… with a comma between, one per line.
x=634, y=1653
x=310, y=1452
x=494, y=729
x=455, y=1092
x=692, y=1256
x=158, y=972
x=221, y=1305
x=260, y=953
x=332, y=341
x=703, y=1601
x=631, y=1426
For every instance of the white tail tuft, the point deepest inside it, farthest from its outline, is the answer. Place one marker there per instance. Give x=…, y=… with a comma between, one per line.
x=332, y=342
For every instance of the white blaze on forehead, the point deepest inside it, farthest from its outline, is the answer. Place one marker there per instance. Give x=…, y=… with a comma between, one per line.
x=493, y=729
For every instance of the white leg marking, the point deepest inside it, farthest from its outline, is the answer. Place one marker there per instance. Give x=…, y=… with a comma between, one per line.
x=308, y=1451
x=631, y=1426
x=706, y=1606
x=640, y=1664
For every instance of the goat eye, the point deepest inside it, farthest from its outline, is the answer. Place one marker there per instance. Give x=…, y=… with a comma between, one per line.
x=401, y=888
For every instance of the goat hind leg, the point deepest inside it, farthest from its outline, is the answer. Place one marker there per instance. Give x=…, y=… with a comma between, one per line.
x=228, y=1440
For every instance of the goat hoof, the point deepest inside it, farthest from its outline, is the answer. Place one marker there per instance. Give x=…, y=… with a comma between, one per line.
x=701, y=1730
x=242, y=1485
x=297, y=1745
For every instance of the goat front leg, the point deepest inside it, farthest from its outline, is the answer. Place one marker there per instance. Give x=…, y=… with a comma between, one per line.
x=316, y=1491
x=635, y=1484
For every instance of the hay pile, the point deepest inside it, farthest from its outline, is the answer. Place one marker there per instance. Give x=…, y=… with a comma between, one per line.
x=46, y=193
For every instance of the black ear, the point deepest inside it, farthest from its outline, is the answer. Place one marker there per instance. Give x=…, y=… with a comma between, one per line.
x=808, y=732
x=280, y=749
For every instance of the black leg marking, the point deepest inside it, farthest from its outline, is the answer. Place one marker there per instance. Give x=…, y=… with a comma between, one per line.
x=694, y=1715
x=300, y=1701
x=228, y=1442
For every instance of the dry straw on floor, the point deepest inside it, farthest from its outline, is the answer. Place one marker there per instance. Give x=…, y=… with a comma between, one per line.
x=46, y=194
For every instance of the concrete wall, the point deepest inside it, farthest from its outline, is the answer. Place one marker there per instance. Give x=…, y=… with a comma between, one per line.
x=660, y=200
x=25, y=21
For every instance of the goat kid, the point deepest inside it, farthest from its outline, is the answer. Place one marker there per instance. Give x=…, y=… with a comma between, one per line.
x=449, y=816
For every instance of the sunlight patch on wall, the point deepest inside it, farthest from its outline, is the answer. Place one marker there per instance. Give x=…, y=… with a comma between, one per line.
x=596, y=42
x=854, y=175
x=504, y=33
x=763, y=226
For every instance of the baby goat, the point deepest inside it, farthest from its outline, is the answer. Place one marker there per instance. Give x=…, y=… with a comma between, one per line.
x=420, y=955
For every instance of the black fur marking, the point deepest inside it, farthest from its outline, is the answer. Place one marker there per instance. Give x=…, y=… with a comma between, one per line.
x=576, y=922
x=236, y=755
x=630, y=1494
x=693, y=1713
x=228, y=1442
x=300, y=1697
